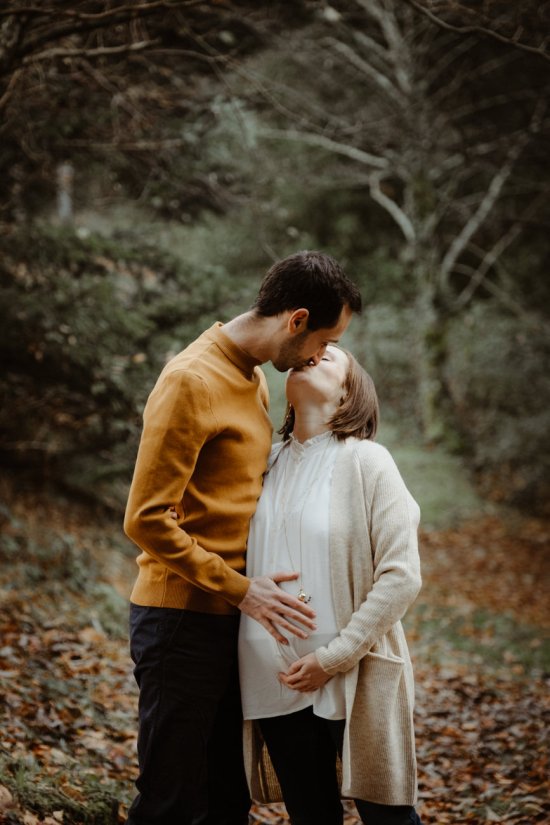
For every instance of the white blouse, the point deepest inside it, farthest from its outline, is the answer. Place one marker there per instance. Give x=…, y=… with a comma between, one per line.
x=290, y=532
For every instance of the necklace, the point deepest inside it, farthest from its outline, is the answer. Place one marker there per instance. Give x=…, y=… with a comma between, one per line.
x=302, y=595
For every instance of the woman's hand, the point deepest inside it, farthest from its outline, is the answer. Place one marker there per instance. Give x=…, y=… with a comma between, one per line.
x=305, y=675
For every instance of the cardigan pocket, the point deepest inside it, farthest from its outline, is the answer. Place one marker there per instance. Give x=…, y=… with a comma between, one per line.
x=380, y=678
x=381, y=726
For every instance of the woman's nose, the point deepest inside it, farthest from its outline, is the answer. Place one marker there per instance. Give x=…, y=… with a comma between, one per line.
x=318, y=355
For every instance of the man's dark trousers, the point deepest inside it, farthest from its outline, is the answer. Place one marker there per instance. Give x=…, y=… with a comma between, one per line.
x=190, y=719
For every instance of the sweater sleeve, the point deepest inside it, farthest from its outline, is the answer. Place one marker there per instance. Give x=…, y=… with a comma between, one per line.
x=393, y=517
x=177, y=422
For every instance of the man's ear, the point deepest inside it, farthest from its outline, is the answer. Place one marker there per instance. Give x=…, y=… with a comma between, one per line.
x=297, y=321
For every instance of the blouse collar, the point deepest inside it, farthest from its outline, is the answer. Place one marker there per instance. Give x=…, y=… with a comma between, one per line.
x=310, y=444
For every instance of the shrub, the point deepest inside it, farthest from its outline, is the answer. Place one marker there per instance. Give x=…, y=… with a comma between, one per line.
x=87, y=324
x=501, y=397
x=384, y=341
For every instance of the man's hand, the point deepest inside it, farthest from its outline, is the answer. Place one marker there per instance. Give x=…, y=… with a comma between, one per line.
x=305, y=675
x=273, y=608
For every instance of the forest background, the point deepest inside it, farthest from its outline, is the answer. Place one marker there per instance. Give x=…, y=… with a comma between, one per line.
x=156, y=158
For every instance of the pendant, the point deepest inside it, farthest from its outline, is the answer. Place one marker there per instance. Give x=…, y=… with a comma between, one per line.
x=303, y=596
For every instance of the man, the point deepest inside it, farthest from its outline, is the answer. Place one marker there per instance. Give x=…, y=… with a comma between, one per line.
x=198, y=475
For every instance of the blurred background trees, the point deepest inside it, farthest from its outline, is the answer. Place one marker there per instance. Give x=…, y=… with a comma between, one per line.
x=156, y=157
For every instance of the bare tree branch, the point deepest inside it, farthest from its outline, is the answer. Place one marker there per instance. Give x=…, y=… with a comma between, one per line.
x=392, y=208
x=439, y=68
x=50, y=54
x=492, y=256
x=471, y=226
x=47, y=34
x=371, y=45
x=502, y=99
x=397, y=52
x=9, y=90
x=382, y=80
x=128, y=145
x=488, y=201
x=322, y=142
x=509, y=41
x=136, y=8
x=477, y=276
x=505, y=299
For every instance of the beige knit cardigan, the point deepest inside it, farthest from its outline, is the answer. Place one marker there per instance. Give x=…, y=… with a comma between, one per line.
x=375, y=573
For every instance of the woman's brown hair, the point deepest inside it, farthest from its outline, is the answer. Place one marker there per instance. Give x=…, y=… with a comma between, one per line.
x=358, y=412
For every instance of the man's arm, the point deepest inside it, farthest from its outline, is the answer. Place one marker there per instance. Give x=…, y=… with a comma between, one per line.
x=177, y=421
x=272, y=607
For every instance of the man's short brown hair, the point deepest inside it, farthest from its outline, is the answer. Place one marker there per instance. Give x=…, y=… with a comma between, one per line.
x=311, y=280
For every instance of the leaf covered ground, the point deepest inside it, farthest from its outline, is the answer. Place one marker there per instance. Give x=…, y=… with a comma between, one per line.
x=478, y=635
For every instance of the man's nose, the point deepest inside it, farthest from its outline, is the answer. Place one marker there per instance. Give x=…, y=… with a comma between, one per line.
x=314, y=360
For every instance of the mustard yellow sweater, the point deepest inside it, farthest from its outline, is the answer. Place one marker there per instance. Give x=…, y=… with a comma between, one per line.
x=204, y=447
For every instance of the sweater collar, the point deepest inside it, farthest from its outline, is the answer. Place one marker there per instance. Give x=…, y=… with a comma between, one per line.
x=242, y=359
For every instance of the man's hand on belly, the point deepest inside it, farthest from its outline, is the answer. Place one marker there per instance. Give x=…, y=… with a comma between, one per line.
x=273, y=608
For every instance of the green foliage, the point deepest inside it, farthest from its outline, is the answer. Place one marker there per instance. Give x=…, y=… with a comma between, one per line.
x=348, y=221
x=87, y=324
x=141, y=117
x=479, y=637
x=439, y=481
x=42, y=793
x=110, y=610
x=50, y=561
x=499, y=402
x=384, y=342
x=60, y=566
x=501, y=398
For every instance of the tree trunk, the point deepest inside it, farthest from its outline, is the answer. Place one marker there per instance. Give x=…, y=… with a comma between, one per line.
x=431, y=353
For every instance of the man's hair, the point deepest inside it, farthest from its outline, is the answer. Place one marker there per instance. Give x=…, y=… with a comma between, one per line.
x=358, y=413
x=311, y=280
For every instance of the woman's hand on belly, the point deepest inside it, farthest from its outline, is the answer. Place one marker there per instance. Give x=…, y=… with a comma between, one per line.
x=305, y=675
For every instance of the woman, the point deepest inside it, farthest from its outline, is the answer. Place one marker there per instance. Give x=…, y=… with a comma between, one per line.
x=334, y=508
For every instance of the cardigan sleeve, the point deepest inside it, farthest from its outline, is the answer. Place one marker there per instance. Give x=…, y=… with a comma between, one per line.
x=177, y=422
x=393, y=517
